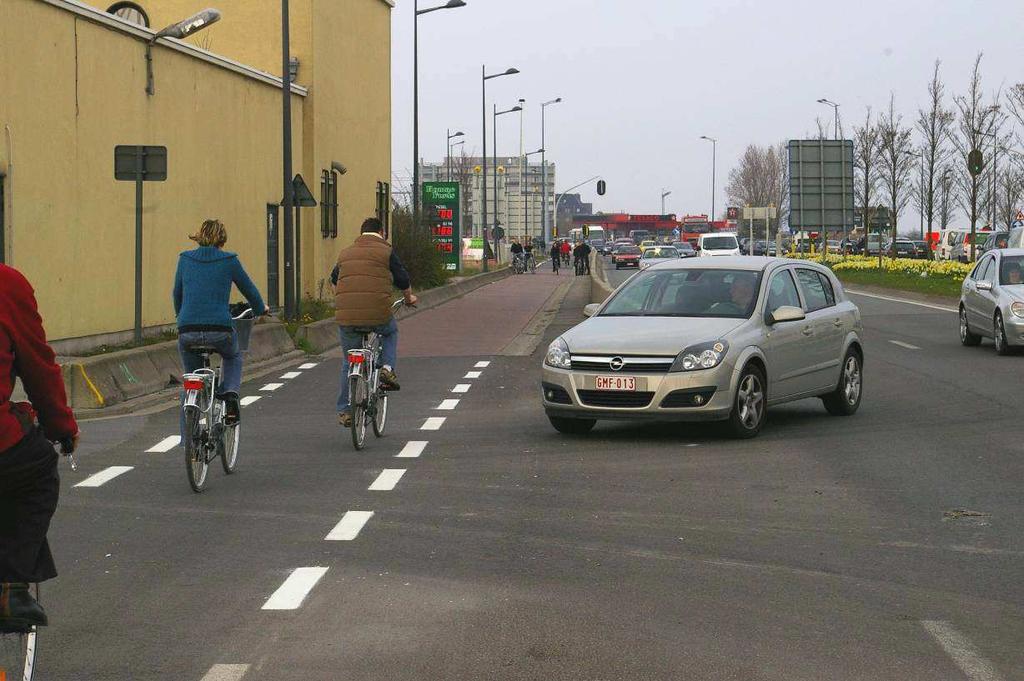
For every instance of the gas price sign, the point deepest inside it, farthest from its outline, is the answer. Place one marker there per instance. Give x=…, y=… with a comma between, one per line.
x=441, y=214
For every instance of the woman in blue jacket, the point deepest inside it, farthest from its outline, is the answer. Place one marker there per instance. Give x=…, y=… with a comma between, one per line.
x=202, y=292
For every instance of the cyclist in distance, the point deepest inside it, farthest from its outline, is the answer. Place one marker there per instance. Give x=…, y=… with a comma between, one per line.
x=363, y=280
x=556, y=256
x=528, y=260
x=566, y=249
x=202, y=292
x=516, y=249
x=29, y=483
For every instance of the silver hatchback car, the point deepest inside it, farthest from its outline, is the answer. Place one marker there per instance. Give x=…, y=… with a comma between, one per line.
x=992, y=300
x=708, y=339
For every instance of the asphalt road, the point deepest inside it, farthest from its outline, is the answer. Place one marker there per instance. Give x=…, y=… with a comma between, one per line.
x=888, y=545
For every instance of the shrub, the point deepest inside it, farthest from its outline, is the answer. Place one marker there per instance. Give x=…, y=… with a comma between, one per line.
x=417, y=251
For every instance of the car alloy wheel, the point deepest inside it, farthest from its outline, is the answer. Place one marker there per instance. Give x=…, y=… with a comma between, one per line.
x=999, y=335
x=967, y=337
x=851, y=380
x=750, y=401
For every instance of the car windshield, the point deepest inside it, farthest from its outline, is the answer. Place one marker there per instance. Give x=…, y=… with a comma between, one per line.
x=1011, y=270
x=665, y=252
x=720, y=243
x=687, y=293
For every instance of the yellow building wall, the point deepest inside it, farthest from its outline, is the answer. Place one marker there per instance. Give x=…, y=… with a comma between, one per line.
x=70, y=90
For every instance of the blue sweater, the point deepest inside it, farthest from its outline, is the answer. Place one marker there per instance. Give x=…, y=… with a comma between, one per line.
x=202, y=288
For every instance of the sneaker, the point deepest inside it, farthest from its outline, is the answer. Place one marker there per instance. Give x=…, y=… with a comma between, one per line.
x=19, y=611
x=232, y=410
x=388, y=380
x=345, y=419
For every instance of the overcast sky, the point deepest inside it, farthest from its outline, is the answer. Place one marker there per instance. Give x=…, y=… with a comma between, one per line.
x=643, y=80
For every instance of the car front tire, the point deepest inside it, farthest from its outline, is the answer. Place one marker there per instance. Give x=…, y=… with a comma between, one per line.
x=845, y=399
x=568, y=426
x=750, y=404
x=967, y=337
x=999, y=336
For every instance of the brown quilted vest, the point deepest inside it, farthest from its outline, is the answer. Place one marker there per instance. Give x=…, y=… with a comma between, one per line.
x=363, y=295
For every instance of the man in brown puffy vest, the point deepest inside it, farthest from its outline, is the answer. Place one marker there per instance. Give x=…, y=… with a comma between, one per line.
x=363, y=280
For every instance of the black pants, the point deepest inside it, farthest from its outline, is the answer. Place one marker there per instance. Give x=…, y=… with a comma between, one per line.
x=29, y=489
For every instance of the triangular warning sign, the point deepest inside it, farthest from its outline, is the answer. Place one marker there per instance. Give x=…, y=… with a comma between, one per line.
x=1020, y=216
x=302, y=196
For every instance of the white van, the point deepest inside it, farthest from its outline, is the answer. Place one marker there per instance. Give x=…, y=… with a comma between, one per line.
x=949, y=239
x=718, y=243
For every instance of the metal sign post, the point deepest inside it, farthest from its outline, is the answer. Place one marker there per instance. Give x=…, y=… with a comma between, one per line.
x=139, y=164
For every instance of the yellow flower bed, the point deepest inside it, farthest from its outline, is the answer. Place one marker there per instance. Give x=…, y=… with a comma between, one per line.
x=925, y=268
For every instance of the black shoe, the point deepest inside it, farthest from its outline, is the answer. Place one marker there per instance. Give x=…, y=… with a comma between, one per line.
x=19, y=611
x=388, y=380
x=232, y=410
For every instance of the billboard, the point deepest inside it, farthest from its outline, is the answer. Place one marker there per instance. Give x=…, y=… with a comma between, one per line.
x=821, y=185
x=441, y=213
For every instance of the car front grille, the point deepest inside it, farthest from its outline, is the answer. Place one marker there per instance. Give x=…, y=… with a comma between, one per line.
x=630, y=365
x=615, y=398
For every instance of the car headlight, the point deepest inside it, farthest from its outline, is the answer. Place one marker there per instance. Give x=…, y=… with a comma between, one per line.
x=702, y=356
x=558, y=355
x=1017, y=309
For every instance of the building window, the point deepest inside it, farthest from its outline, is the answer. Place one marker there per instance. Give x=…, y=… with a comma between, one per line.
x=129, y=11
x=329, y=204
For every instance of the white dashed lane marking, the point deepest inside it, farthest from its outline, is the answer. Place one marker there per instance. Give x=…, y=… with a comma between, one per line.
x=246, y=401
x=270, y=387
x=462, y=388
x=447, y=405
x=226, y=672
x=962, y=651
x=412, y=450
x=433, y=423
x=908, y=346
x=290, y=595
x=165, y=445
x=481, y=365
x=104, y=476
x=387, y=480
x=350, y=526
x=291, y=374
x=473, y=374
x=308, y=365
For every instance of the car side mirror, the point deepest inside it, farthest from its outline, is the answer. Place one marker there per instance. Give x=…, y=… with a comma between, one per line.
x=591, y=309
x=786, y=313
x=984, y=286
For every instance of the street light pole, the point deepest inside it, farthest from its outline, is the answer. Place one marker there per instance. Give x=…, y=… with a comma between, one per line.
x=664, y=194
x=494, y=157
x=835, y=111
x=564, y=192
x=714, y=162
x=526, y=186
x=483, y=117
x=449, y=143
x=544, y=172
x=417, y=12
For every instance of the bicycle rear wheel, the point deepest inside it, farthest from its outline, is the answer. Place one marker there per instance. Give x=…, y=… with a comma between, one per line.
x=18, y=653
x=380, y=414
x=196, y=463
x=227, y=447
x=358, y=399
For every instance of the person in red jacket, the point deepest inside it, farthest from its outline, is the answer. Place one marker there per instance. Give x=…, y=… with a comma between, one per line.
x=29, y=484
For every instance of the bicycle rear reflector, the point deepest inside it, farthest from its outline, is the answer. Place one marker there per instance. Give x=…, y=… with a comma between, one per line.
x=193, y=384
x=355, y=358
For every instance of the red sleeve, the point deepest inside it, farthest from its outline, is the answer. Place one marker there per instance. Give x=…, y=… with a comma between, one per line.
x=34, y=361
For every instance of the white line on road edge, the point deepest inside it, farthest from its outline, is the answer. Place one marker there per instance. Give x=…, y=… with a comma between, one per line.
x=412, y=449
x=908, y=346
x=226, y=672
x=433, y=423
x=904, y=301
x=290, y=595
x=481, y=365
x=447, y=405
x=387, y=480
x=291, y=374
x=349, y=527
x=269, y=387
x=104, y=476
x=165, y=445
x=308, y=365
x=473, y=374
x=246, y=401
x=962, y=651
x=462, y=388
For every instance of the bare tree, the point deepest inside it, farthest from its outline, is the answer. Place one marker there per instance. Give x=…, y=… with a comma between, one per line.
x=946, y=205
x=1011, y=192
x=897, y=161
x=866, y=153
x=761, y=179
x=974, y=120
x=933, y=123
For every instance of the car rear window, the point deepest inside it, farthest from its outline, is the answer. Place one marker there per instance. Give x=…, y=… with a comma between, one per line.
x=719, y=243
x=629, y=250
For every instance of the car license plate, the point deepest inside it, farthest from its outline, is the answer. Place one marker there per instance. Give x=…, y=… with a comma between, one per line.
x=624, y=383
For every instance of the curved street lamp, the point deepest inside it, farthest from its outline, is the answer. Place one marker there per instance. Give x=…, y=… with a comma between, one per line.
x=483, y=115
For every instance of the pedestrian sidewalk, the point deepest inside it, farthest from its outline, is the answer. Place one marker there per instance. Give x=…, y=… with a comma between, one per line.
x=484, y=321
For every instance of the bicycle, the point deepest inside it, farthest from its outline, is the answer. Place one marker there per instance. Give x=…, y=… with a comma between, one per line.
x=555, y=263
x=518, y=264
x=19, y=644
x=530, y=263
x=206, y=435
x=367, y=398
x=581, y=267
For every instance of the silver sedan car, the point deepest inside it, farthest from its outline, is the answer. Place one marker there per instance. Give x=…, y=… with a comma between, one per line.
x=708, y=339
x=992, y=300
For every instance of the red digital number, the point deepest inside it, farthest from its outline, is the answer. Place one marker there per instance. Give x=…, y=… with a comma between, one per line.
x=445, y=213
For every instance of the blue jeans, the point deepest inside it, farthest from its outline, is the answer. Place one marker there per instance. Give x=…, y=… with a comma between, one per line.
x=226, y=345
x=350, y=340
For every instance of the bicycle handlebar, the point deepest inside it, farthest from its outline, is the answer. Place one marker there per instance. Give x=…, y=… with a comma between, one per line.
x=399, y=304
x=67, y=448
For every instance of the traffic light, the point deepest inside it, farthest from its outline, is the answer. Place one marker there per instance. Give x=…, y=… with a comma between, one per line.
x=601, y=187
x=975, y=162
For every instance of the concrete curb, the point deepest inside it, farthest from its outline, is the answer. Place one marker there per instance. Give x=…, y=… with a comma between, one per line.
x=600, y=289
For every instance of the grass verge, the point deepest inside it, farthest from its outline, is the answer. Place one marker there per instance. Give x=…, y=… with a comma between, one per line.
x=902, y=281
